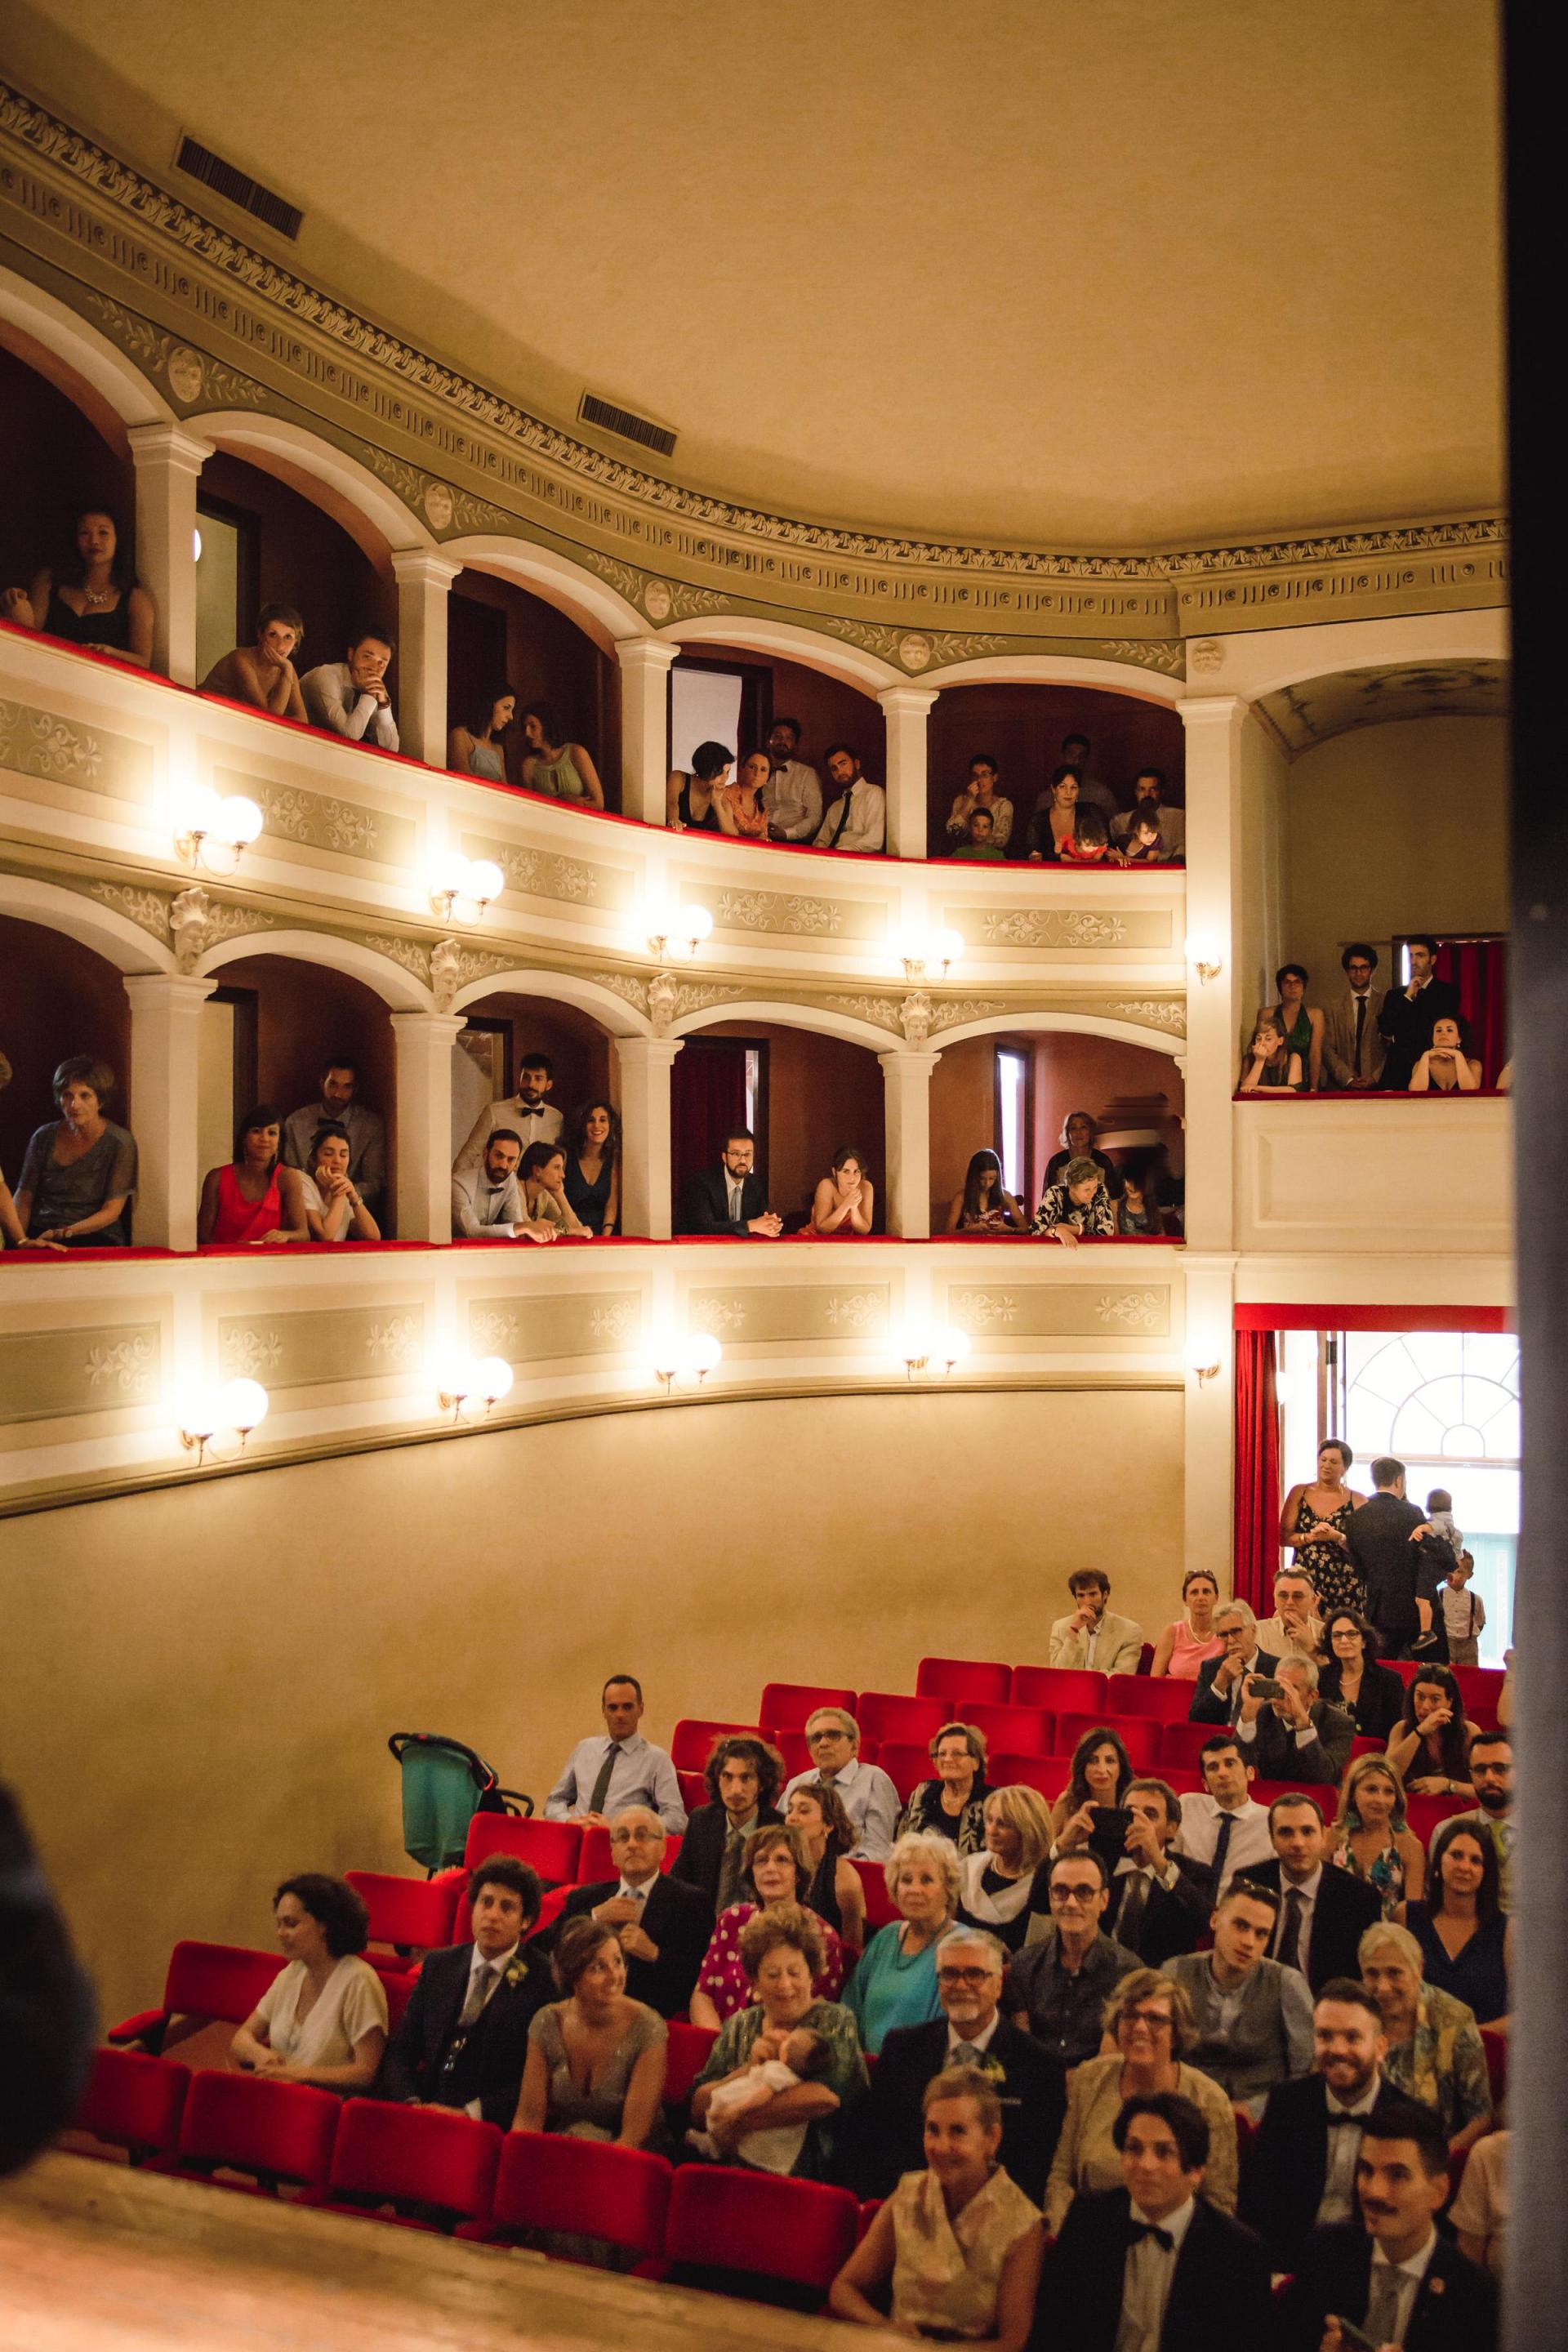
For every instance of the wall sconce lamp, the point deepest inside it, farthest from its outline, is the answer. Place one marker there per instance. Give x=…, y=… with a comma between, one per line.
x=1201, y=951
x=922, y=1350
x=212, y=834
x=677, y=930
x=693, y=1357
x=462, y=888
x=473, y=1383
x=918, y=953
x=1204, y=1373
x=208, y=1414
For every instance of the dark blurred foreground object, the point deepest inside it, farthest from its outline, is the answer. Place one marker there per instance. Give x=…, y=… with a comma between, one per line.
x=47, y=2014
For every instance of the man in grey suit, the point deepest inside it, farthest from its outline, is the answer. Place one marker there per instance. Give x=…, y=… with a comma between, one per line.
x=1254, y=2017
x=1353, y=1045
x=1296, y=1736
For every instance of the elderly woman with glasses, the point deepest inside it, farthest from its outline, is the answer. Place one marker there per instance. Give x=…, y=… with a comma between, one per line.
x=954, y=1804
x=895, y=1983
x=1151, y=2021
x=781, y=1952
x=775, y=1870
x=1434, y=2050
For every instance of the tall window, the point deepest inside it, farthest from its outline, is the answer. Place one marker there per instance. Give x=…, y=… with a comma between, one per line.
x=1013, y=1119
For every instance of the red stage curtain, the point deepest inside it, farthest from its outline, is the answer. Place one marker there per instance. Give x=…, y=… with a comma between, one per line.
x=1479, y=970
x=708, y=1095
x=1257, y=1470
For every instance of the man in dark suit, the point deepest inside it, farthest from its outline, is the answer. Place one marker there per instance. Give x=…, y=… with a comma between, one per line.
x=1407, y=1015
x=1300, y=2169
x=729, y=1199
x=662, y=1925
x=1160, y=1902
x=464, y=2035
x=1219, y=1691
x=1400, y=1575
x=743, y=1777
x=884, y=2137
x=1295, y=1735
x=1323, y=1912
x=1393, y=2278
x=1153, y=2257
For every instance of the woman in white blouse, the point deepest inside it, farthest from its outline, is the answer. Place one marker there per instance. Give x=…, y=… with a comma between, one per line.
x=333, y=1209
x=323, y=2019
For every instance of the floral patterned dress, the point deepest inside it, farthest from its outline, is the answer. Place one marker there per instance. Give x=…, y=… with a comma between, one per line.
x=1330, y=1565
x=723, y=1975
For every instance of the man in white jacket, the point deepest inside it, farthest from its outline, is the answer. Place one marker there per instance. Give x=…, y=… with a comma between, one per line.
x=1094, y=1636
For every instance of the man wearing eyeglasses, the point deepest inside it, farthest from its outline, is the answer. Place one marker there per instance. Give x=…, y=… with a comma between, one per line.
x=887, y=2139
x=1062, y=1978
x=867, y=1795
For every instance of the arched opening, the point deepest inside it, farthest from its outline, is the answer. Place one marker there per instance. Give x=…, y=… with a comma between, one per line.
x=1024, y=729
x=803, y=1094
x=506, y=1030
x=736, y=694
x=56, y=459
x=60, y=998
x=498, y=634
x=1013, y=1092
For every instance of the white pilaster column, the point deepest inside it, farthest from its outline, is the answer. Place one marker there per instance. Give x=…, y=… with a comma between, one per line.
x=165, y=1023
x=644, y=1064
x=424, y=581
x=906, y=1080
x=646, y=664
x=1215, y=726
x=905, y=708
x=1208, y=1426
x=424, y=1046
x=168, y=461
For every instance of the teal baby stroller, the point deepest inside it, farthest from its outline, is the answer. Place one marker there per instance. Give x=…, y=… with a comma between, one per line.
x=444, y=1784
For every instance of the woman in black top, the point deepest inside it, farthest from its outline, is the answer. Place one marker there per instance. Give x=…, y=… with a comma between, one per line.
x=1353, y=1680
x=593, y=1167
x=1465, y=1939
x=689, y=800
x=93, y=598
x=1430, y=1743
x=954, y=1804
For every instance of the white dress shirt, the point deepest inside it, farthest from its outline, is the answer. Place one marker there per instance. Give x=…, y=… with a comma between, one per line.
x=1275, y=1637
x=982, y=2041
x=495, y=1970
x=540, y=1125
x=1409, y=2275
x=871, y=1801
x=1337, y=2202
x=1306, y=1891
x=1147, y=2272
x=793, y=799
x=1199, y=1833
x=865, y=825
x=332, y=700
x=367, y=1143
x=485, y=1212
x=643, y=1775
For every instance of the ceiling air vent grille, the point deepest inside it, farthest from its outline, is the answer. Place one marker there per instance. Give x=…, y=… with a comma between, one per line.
x=238, y=187
x=595, y=410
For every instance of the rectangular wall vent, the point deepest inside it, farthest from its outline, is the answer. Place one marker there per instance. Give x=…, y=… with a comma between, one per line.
x=238, y=187
x=595, y=410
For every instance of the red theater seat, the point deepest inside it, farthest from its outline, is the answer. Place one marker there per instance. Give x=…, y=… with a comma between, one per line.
x=879, y=1905
x=1016, y=1730
x=1181, y=1744
x=1426, y=1815
x=1061, y=1688
x=905, y=1765
x=1164, y=1697
x=688, y=2054
x=133, y=2102
x=275, y=2132
x=552, y=1848
x=965, y=1682
x=593, y=1863
x=205, y=1982
x=1046, y=1775
x=691, y=1741
x=1142, y=1739
x=888, y=1715
x=726, y=2218
x=547, y=2180
x=786, y=1706
x=1495, y=2045
x=411, y=1916
x=413, y=2158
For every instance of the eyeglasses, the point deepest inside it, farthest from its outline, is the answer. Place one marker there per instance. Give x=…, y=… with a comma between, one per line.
x=836, y=1731
x=1158, y=2020
x=972, y=1976
x=1074, y=1893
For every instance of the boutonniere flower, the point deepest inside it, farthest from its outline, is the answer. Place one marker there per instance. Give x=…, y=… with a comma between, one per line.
x=516, y=1972
x=1434, y=2285
x=992, y=2068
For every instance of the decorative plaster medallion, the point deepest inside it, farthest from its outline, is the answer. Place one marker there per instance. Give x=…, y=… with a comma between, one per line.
x=1205, y=655
x=438, y=507
x=915, y=651
x=656, y=601
x=186, y=374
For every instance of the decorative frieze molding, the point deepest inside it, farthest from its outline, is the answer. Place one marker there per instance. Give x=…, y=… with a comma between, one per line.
x=770, y=1313
x=792, y=916
x=322, y=1347
x=537, y=874
x=55, y=751
x=1030, y=1310
x=54, y=1375
x=554, y=1326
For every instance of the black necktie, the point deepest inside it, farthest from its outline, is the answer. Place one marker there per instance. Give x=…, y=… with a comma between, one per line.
x=1140, y=2230
x=1221, y=1847
x=1360, y=1025
x=601, y=1785
x=1290, y=1949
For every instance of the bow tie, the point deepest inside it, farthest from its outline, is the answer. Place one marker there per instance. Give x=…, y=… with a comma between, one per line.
x=530, y=1110
x=1358, y=2121
x=1138, y=2229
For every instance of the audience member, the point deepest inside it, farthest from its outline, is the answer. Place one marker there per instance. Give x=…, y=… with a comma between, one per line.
x=596, y=2058
x=334, y=1206
x=1315, y=1525
x=743, y=1776
x=1288, y=1730
x=793, y=794
x=542, y=1180
x=844, y=1201
x=530, y=1118
x=662, y=1924
x=1254, y=2016
x=1222, y=1681
x=1055, y=816
x=999, y=1888
x=1143, y=843
x=1369, y=1838
x=1091, y=1634
x=857, y=819
x=365, y=1128
x=1097, y=1781
x=1076, y=752
x=1160, y=1900
x=1467, y=1942
x=1371, y=1694
x=487, y=1205
x=1398, y=1576
x=833, y=1892
x=1295, y=1631
x=1353, y=1048
x=1091, y=841
x=1434, y=2050
x=1388, y=2272
x=1491, y=1777
x=1300, y=2171
x=692, y=794
x=867, y=1795
x=978, y=846
x=78, y=1172
x=1057, y=1986
x=10, y=1222
x=731, y=1198
x=617, y=1768
x=463, y=2038
x=1153, y=2263
x=803, y=2056
x=1270, y=1066
x=1450, y=1065
x=1190, y=1640
x=555, y=766
x=1137, y=1209
x=981, y=797
x=476, y=744
x=263, y=675
x=1149, y=801
x=959, y=2242
x=971, y=2033
x=774, y=1873
x=1407, y=1015
x=593, y=1167
x=1479, y=2210
x=1430, y=1744
x=1299, y=1023
x=50, y=2019
x=895, y=1983
x=322, y=2020
x=1223, y=1828
x=954, y=1804
x=1078, y=1204
x=742, y=807
x=1150, y=2021
x=984, y=1205
x=1323, y=1912
x=784, y=1957
x=1080, y=1132
x=92, y=597
x=252, y=1198
x=350, y=697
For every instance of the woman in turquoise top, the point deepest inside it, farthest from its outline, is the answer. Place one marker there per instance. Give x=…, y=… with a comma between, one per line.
x=561, y=769
x=895, y=1983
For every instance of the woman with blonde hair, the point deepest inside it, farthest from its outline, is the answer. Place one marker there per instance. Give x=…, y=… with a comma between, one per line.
x=1435, y=2055
x=895, y=1983
x=996, y=1885
x=1369, y=1838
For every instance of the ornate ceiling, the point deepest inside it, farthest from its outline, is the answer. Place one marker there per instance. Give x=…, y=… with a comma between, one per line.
x=1120, y=277
x=1310, y=713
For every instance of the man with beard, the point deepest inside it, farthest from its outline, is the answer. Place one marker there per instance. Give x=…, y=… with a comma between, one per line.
x=1300, y=2172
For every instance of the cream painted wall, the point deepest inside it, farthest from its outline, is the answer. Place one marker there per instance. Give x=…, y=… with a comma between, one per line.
x=197, y=1686
x=1396, y=829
